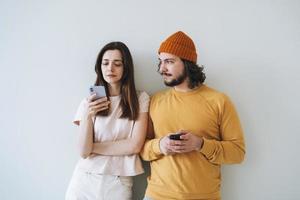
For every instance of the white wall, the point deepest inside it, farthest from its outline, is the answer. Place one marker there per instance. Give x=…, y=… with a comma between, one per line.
x=47, y=55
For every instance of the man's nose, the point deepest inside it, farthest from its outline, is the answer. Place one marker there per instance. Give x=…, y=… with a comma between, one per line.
x=162, y=67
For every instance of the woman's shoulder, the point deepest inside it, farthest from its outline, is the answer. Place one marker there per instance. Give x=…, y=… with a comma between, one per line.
x=144, y=100
x=143, y=97
x=142, y=94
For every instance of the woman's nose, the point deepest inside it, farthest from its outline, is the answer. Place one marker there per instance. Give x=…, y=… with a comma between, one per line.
x=110, y=66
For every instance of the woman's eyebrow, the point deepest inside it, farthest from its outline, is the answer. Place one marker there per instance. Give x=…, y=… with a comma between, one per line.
x=106, y=59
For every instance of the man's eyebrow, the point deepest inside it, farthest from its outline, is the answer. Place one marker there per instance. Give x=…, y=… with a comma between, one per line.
x=170, y=59
x=167, y=59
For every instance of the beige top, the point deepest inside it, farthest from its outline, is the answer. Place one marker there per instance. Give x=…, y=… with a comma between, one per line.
x=112, y=128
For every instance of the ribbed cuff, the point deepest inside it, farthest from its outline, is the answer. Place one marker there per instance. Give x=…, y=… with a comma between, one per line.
x=155, y=146
x=207, y=147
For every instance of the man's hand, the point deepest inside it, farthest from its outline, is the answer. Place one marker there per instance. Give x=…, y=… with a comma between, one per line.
x=165, y=144
x=189, y=142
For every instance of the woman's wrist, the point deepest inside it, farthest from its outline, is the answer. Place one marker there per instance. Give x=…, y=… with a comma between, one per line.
x=88, y=116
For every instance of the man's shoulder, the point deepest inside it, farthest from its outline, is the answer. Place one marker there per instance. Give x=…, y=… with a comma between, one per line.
x=213, y=95
x=208, y=93
x=160, y=94
x=159, y=97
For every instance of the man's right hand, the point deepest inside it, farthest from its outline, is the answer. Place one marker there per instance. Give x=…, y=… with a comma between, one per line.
x=164, y=145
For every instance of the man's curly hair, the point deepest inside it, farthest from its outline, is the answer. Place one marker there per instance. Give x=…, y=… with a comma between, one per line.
x=195, y=73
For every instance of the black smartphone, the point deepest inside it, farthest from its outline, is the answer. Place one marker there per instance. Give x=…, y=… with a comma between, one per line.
x=175, y=136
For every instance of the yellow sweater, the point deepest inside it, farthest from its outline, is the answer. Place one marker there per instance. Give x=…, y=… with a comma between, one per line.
x=194, y=175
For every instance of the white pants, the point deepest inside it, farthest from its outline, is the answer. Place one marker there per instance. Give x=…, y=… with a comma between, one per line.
x=88, y=186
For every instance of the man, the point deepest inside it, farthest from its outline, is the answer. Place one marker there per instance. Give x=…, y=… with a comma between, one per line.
x=210, y=134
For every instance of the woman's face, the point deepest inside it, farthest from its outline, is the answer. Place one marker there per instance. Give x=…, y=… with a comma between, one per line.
x=112, y=67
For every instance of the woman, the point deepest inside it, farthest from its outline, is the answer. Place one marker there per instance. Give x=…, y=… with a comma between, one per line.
x=112, y=131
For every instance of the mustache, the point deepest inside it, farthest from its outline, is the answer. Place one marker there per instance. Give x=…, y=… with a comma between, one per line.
x=165, y=74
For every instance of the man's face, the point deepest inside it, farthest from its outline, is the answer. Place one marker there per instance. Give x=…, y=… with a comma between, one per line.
x=172, y=69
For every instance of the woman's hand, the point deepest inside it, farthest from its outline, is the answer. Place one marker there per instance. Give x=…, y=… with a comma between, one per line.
x=95, y=106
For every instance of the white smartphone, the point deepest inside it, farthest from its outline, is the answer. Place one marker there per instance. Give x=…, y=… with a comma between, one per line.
x=98, y=90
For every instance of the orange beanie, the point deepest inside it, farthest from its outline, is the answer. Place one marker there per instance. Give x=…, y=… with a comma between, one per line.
x=181, y=45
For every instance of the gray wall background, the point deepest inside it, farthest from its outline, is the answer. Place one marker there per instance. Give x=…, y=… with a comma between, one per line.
x=47, y=53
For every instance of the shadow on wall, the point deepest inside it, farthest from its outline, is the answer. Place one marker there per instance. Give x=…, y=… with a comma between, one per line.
x=140, y=182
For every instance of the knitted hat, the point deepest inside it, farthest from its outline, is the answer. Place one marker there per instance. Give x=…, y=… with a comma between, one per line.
x=181, y=45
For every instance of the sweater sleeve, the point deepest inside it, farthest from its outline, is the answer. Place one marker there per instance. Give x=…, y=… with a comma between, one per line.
x=151, y=150
x=231, y=148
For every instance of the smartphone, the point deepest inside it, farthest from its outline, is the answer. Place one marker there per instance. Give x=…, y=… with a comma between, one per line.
x=98, y=90
x=175, y=136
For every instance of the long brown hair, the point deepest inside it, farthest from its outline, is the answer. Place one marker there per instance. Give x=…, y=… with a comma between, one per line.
x=129, y=101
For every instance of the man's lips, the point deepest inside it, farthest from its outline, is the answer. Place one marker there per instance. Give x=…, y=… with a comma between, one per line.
x=166, y=75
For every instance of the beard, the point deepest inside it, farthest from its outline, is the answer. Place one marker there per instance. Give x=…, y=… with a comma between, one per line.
x=177, y=81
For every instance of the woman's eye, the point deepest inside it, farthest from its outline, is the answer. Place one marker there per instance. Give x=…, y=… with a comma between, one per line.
x=104, y=63
x=118, y=64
